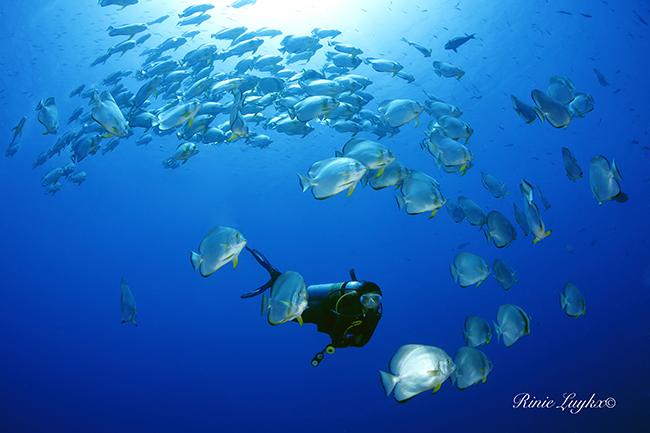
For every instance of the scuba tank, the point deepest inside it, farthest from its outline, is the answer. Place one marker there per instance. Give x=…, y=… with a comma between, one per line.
x=318, y=293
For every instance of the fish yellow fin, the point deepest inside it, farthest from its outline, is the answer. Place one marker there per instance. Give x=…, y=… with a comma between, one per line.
x=417, y=121
x=299, y=319
x=234, y=136
x=433, y=213
x=379, y=172
x=437, y=388
x=234, y=262
x=351, y=190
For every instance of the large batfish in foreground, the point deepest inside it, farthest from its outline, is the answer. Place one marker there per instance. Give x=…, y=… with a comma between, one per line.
x=416, y=368
x=288, y=299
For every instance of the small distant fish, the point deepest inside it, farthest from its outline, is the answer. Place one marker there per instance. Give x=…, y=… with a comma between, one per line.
x=18, y=129
x=572, y=301
x=240, y=3
x=512, y=324
x=108, y=114
x=179, y=115
x=561, y=89
x=564, y=12
x=456, y=42
x=77, y=178
x=420, y=195
x=640, y=18
x=218, y=247
x=585, y=15
x=456, y=213
x=543, y=198
x=601, y=78
x=322, y=33
x=75, y=114
x=425, y=51
x=535, y=223
x=570, y=250
x=127, y=304
x=504, y=274
x=525, y=111
x=383, y=65
x=447, y=70
x=553, y=111
x=129, y=30
x=477, y=331
x=48, y=115
x=468, y=269
x=196, y=20
x=191, y=10
x=604, y=180
x=472, y=367
x=474, y=214
x=183, y=152
x=581, y=105
x=77, y=91
x=573, y=170
x=494, y=185
x=499, y=229
x=158, y=20
x=123, y=3
x=397, y=112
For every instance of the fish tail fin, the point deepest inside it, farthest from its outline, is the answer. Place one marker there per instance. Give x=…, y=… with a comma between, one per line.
x=265, y=303
x=488, y=234
x=196, y=260
x=615, y=171
x=454, y=272
x=497, y=330
x=453, y=377
x=388, y=381
x=401, y=201
x=305, y=182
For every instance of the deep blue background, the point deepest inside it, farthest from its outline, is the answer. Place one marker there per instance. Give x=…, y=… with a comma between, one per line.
x=201, y=358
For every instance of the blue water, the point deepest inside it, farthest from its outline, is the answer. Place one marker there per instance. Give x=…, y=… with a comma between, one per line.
x=202, y=358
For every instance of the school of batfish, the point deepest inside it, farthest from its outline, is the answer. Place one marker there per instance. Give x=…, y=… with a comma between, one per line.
x=202, y=105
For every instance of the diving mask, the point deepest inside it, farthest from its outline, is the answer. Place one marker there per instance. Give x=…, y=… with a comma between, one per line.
x=370, y=300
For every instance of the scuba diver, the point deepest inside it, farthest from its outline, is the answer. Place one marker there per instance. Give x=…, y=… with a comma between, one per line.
x=348, y=312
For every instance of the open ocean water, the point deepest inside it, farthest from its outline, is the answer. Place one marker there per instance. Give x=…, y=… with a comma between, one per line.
x=202, y=359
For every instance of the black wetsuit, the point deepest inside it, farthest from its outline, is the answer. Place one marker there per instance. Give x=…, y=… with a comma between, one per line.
x=347, y=324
